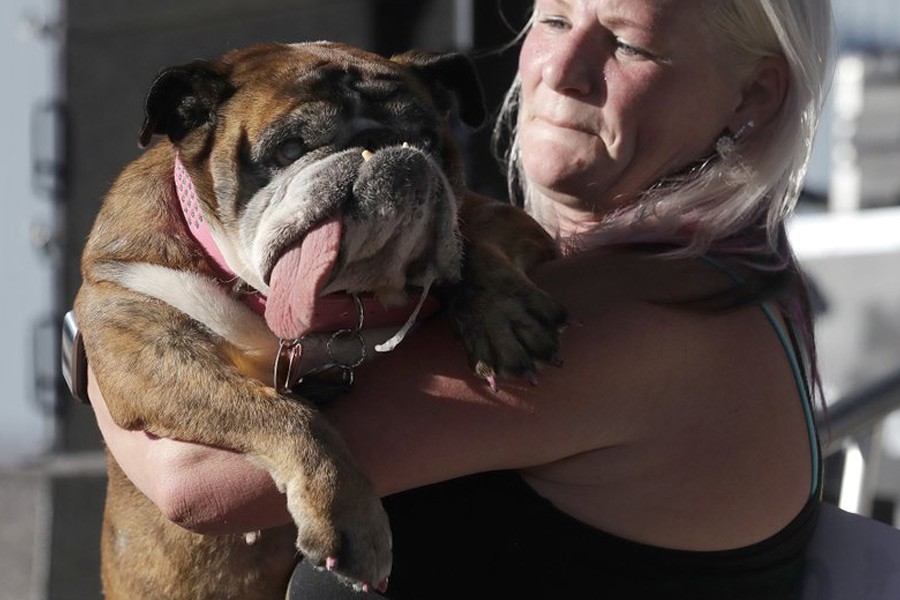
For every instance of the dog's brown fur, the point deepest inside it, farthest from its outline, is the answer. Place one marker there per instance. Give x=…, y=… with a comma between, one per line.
x=162, y=372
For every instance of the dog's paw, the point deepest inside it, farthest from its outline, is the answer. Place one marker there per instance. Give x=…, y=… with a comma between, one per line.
x=507, y=324
x=347, y=533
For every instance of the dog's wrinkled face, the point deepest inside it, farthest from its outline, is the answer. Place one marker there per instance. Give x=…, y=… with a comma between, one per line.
x=323, y=168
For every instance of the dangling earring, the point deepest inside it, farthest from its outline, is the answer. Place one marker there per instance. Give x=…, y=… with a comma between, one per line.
x=725, y=144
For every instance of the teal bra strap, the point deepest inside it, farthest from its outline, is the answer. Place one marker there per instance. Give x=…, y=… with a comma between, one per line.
x=796, y=369
x=803, y=389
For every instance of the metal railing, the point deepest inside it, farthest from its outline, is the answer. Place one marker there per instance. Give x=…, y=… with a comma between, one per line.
x=859, y=411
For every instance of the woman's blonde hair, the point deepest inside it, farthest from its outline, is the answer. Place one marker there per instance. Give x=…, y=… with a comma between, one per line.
x=758, y=182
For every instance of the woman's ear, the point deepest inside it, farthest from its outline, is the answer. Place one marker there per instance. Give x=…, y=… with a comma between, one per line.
x=763, y=93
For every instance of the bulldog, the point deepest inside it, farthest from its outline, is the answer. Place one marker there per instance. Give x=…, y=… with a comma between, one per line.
x=294, y=189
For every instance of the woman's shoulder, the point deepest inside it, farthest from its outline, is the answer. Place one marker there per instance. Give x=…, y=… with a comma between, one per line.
x=640, y=331
x=636, y=275
x=646, y=298
x=676, y=393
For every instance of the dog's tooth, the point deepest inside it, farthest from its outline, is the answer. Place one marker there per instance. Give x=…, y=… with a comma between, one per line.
x=366, y=154
x=404, y=145
x=251, y=537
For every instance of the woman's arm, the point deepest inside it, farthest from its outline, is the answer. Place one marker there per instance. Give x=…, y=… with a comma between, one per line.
x=204, y=489
x=419, y=415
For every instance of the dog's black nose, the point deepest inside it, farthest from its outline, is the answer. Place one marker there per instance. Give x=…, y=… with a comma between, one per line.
x=367, y=134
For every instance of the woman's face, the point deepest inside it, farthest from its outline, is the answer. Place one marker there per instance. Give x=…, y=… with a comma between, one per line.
x=617, y=94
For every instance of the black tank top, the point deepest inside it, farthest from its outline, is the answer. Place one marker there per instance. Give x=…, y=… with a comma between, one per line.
x=491, y=536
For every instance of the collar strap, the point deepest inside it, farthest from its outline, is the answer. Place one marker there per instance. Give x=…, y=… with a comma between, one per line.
x=200, y=231
x=196, y=222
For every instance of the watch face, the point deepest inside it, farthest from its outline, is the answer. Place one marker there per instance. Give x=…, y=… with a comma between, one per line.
x=73, y=358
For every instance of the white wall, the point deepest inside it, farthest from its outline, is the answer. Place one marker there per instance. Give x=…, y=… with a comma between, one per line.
x=27, y=66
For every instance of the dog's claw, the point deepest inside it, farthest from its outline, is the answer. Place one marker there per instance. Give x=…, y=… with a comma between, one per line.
x=331, y=563
x=484, y=371
x=492, y=383
x=532, y=378
x=383, y=586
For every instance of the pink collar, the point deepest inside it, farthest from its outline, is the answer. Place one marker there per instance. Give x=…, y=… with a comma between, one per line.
x=338, y=311
x=199, y=230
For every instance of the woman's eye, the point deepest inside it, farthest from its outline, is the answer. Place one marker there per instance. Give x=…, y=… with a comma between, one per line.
x=554, y=22
x=289, y=151
x=629, y=50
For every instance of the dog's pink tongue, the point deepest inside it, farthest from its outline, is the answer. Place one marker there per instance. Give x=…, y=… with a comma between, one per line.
x=298, y=277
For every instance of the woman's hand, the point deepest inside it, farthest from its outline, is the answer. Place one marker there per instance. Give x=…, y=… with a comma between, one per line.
x=204, y=489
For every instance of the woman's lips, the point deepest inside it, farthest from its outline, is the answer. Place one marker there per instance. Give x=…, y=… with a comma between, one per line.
x=572, y=124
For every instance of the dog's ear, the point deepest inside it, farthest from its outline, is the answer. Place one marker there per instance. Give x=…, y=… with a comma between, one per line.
x=181, y=99
x=449, y=76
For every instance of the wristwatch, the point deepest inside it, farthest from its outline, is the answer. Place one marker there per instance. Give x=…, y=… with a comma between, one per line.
x=74, y=359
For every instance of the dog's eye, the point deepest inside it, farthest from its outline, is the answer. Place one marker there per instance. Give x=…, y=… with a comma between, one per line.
x=289, y=151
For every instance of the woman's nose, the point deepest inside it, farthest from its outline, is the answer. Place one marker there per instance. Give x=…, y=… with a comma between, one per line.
x=574, y=66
